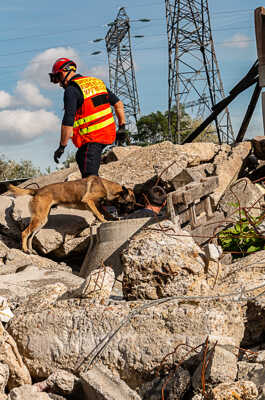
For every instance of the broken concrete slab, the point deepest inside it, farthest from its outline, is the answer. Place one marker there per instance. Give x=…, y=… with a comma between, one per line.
x=160, y=261
x=145, y=163
x=228, y=166
x=32, y=279
x=99, y=383
x=117, y=153
x=64, y=334
x=242, y=194
x=27, y=392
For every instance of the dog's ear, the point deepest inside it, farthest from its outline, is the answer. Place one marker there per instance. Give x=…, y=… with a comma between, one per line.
x=124, y=193
x=128, y=195
x=125, y=190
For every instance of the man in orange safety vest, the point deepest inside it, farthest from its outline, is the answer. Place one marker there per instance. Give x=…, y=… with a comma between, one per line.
x=88, y=118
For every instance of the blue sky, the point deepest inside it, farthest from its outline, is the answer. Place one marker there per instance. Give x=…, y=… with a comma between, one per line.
x=34, y=34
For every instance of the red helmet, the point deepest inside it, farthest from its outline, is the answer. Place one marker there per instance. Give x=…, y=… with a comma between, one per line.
x=62, y=64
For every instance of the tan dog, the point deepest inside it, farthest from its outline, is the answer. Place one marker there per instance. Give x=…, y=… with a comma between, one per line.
x=81, y=194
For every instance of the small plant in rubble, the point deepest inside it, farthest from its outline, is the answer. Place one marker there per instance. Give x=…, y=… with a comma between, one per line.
x=247, y=235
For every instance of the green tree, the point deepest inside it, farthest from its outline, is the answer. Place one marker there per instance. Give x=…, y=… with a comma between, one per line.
x=153, y=128
x=10, y=169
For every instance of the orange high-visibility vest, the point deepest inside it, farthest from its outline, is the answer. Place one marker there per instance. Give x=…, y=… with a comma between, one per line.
x=94, y=120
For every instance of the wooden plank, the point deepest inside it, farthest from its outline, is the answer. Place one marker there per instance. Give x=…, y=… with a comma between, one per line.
x=260, y=41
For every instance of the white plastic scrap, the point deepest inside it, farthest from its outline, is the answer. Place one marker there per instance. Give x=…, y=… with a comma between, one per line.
x=5, y=312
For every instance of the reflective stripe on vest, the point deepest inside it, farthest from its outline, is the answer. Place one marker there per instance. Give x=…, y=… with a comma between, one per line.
x=94, y=120
x=96, y=127
x=92, y=117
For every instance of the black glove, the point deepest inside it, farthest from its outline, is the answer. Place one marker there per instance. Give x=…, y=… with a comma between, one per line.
x=58, y=153
x=122, y=135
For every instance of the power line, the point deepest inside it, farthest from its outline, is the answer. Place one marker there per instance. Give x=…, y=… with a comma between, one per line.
x=224, y=42
x=85, y=28
x=86, y=42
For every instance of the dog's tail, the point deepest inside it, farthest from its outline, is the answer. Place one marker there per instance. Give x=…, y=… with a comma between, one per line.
x=18, y=191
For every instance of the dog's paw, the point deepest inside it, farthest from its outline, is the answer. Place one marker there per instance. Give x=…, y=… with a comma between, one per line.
x=32, y=251
x=26, y=251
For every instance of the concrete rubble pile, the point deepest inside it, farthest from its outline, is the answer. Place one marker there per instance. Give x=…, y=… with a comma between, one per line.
x=147, y=313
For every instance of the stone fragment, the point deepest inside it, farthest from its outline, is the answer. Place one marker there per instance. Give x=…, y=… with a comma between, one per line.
x=260, y=358
x=4, y=375
x=198, y=396
x=174, y=386
x=27, y=392
x=253, y=372
x=160, y=261
x=9, y=355
x=98, y=285
x=242, y=193
x=199, y=152
x=221, y=368
x=100, y=384
x=228, y=165
x=117, y=153
x=5, y=312
x=62, y=382
x=235, y=390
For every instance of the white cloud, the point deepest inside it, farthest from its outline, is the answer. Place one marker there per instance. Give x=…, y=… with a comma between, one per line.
x=41, y=65
x=28, y=93
x=21, y=126
x=99, y=71
x=23, y=113
x=237, y=41
x=5, y=99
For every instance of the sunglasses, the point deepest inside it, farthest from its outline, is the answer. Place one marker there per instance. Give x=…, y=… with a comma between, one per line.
x=54, y=78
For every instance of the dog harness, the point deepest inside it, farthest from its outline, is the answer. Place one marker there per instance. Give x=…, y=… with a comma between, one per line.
x=94, y=120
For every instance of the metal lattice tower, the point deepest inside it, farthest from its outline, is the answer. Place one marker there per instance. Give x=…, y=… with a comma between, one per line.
x=121, y=69
x=193, y=72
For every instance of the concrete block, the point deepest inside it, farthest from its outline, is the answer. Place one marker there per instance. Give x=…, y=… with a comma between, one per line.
x=100, y=384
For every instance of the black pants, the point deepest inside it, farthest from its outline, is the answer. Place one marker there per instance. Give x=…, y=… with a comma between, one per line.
x=88, y=158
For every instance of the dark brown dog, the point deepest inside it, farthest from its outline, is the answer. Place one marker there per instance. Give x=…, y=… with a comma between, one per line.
x=81, y=194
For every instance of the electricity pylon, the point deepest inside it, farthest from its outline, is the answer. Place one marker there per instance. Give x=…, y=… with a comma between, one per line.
x=193, y=72
x=121, y=69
